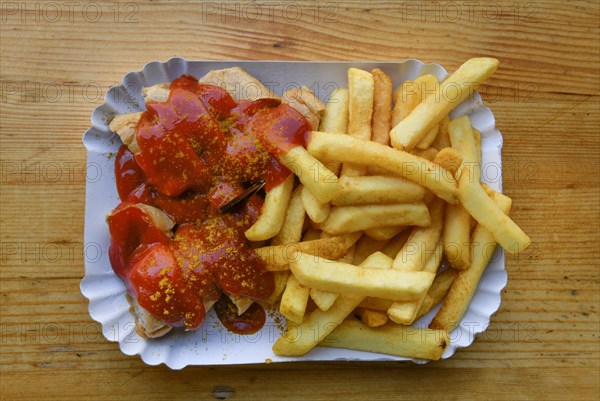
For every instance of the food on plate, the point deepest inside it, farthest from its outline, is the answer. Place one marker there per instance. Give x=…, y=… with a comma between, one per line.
x=353, y=218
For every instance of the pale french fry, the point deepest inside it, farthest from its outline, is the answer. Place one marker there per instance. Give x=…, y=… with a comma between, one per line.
x=450, y=159
x=422, y=241
x=428, y=154
x=483, y=245
x=360, y=112
x=325, y=299
x=475, y=200
x=291, y=229
x=382, y=107
x=366, y=246
x=320, y=181
x=355, y=218
x=438, y=291
x=335, y=119
x=372, y=318
x=391, y=339
x=463, y=140
x=278, y=257
x=396, y=244
x=409, y=95
x=335, y=147
x=406, y=312
x=296, y=340
x=376, y=190
x=293, y=300
x=329, y=275
x=315, y=210
x=456, y=88
x=428, y=139
x=273, y=212
x=384, y=233
x=442, y=140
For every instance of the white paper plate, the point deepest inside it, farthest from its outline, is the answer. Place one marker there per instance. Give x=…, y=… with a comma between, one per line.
x=211, y=344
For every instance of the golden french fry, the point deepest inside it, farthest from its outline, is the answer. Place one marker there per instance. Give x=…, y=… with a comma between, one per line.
x=450, y=159
x=360, y=111
x=457, y=237
x=320, y=181
x=384, y=233
x=479, y=205
x=410, y=94
x=391, y=339
x=396, y=244
x=346, y=219
x=428, y=154
x=315, y=210
x=329, y=275
x=442, y=140
x=382, y=107
x=366, y=246
x=456, y=88
x=278, y=257
x=422, y=241
x=325, y=299
x=483, y=245
x=335, y=147
x=293, y=300
x=291, y=229
x=463, y=140
x=406, y=312
x=296, y=340
x=335, y=118
x=376, y=190
x=372, y=318
x=273, y=212
x=438, y=291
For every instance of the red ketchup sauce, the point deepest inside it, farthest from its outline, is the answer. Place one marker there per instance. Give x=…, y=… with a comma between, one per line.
x=198, y=150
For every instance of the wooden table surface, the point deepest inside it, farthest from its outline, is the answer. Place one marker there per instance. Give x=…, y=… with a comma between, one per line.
x=57, y=61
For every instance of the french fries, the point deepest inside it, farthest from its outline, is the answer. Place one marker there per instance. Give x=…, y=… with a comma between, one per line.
x=335, y=147
x=456, y=88
x=382, y=107
x=335, y=118
x=278, y=257
x=298, y=339
x=273, y=212
x=474, y=199
x=483, y=245
x=346, y=219
x=376, y=190
x=329, y=275
x=422, y=241
x=319, y=180
x=315, y=210
x=406, y=341
x=360, y=111
x=408, y=195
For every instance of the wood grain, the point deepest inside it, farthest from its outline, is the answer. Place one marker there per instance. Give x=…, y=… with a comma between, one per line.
x=542, y=344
